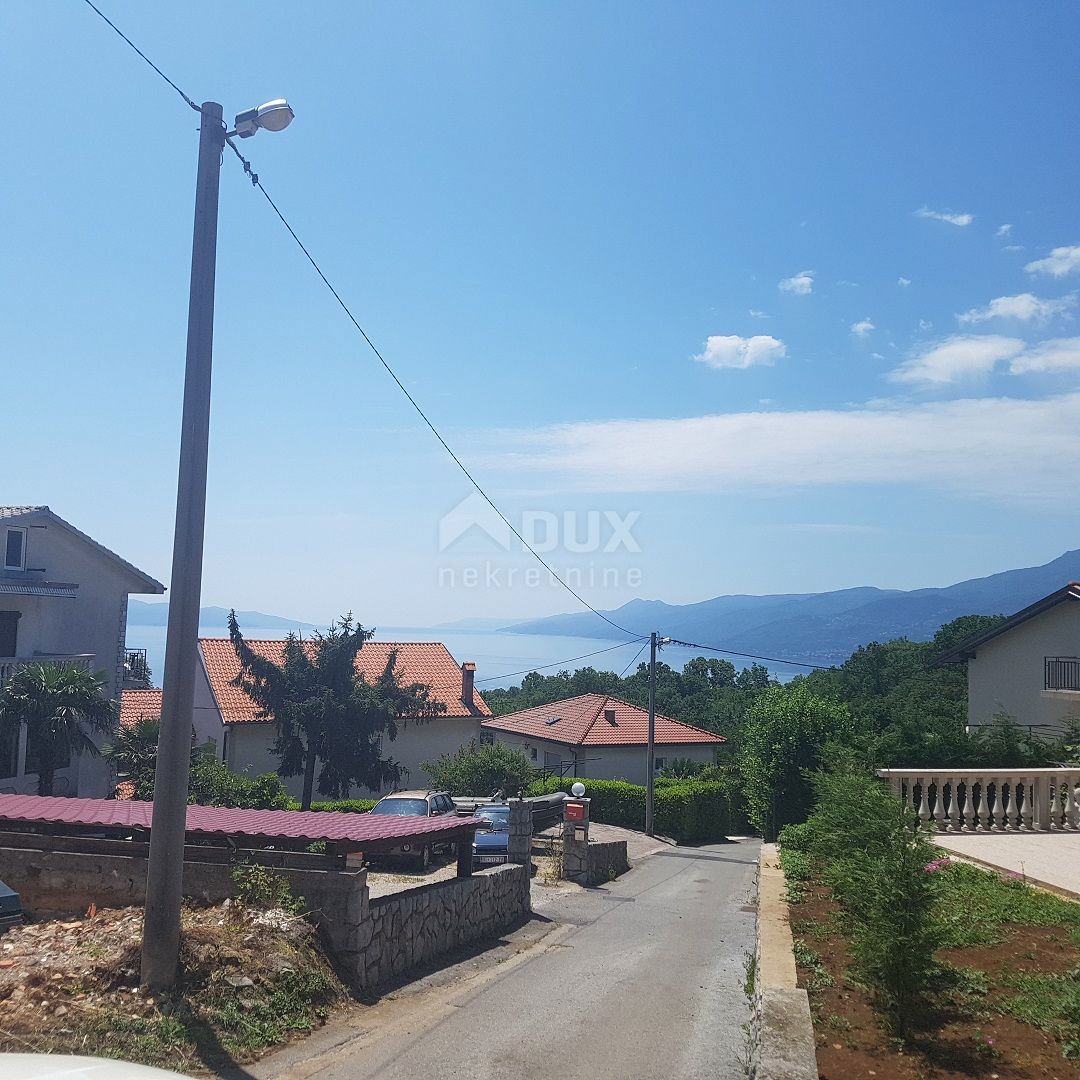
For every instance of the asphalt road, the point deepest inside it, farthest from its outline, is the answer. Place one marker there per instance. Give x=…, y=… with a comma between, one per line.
x=643, y=980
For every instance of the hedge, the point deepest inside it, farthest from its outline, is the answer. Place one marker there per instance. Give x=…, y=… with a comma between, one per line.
x=688, y=811
x=346, y=806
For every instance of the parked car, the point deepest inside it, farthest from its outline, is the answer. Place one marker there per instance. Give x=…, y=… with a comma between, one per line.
x=11, y=912
x=491, y=840
x=417, y=804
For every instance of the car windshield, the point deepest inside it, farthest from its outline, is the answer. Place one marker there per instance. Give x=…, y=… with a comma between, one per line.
x=499, y=816
x=402, y=807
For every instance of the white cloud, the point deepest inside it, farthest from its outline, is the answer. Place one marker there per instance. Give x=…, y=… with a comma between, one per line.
x=1013, y=247
x=903, y=282
x=1025, y=307
x=957, y=358
x=740, y=352
x=1001, y=449
x=925, y=324
x=1060, y=261
x=945, y=215
x=1003, y=230
x=863, y=327
x=755, y=314
x=876, y=356
x=801, y=284
x=1059, y=354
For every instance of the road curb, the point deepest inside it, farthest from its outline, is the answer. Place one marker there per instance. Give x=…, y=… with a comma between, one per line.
x=781, y=1031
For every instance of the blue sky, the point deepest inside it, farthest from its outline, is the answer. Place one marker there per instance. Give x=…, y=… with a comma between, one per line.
x=787, y=294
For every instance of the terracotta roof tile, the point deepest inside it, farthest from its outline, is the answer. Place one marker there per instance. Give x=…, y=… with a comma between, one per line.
x=581, y=722
x=136, y=704
x=424, y=662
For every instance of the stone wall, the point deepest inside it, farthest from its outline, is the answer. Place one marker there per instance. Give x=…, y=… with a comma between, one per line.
x=372, y=940
x=412, y=927
x=781, y=1031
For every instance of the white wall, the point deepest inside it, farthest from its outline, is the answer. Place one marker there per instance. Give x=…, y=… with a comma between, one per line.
x=605, y=762
x=248, y=750
x=1007, y=674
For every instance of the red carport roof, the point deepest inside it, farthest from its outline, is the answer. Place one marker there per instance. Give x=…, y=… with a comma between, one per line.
x=220, y=821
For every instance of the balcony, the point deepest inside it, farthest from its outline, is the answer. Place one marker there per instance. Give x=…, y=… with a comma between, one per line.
x=136, y=670
x=10, y=664
x=1062, y=673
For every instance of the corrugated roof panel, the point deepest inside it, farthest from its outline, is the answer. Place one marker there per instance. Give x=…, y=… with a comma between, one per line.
x=217, y=820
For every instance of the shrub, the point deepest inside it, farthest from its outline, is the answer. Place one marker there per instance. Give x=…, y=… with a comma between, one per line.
x=261, y=887
x=341, y=806
x=687, y=811
x=212, y=784
x=785, y=734
x=481, y=769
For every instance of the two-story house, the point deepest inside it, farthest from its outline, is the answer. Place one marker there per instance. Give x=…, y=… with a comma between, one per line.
x=226, y=719
x=63, y=597
x=1027, y=667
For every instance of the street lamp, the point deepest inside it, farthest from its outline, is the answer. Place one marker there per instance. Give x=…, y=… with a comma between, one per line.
x=165, y=869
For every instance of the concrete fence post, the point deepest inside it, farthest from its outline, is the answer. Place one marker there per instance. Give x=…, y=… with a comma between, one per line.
x=575, y=841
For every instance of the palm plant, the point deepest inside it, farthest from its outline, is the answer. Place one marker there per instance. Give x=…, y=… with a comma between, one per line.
x=63, y=708
x=133, y=753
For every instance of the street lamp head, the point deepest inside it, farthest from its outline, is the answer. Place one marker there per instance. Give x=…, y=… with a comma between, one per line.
x=275, y=115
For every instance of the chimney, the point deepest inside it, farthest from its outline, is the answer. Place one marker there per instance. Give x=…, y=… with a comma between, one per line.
x=609, y=716
x=468, y=674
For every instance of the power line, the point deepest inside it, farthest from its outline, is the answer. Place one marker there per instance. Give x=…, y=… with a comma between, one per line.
x=622, y=674
x=560, y=663
x=256, y=182
x=121, y=33
x=748, y=656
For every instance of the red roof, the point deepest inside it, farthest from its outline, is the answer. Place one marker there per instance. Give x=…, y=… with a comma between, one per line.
x=426, y=662
x=581, y=721
x=217, y=820
x=137, y=704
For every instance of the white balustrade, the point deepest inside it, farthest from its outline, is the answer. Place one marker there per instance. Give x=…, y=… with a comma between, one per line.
x=10, y=664
x=990, y=800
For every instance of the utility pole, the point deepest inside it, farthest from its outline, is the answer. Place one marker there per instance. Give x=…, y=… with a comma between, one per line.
x=650, y=768
x=164, y=875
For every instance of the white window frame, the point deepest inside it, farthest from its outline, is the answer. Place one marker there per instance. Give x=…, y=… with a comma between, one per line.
x=7, y=533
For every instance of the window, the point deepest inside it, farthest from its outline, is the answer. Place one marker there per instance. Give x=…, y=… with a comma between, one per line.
x=15, y=550
x=532, y=752
x=659, y=763
x=1062, y=673
x=9, y=752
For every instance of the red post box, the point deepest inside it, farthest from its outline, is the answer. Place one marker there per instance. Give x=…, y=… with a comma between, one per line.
x=573, y=811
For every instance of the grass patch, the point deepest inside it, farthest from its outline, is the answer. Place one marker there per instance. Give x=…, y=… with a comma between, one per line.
x=976, y=904
x=1052, y=1003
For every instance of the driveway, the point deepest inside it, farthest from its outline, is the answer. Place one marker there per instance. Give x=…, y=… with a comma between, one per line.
x=642, y=980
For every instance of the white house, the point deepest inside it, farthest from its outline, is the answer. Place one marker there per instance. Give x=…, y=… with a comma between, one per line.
x=226, y=717
x=1027, y=667
x=601, y=737
x=63, y=597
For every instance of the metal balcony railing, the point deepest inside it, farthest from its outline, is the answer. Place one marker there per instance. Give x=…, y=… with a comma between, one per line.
x=1063, y=673
x=136, y=668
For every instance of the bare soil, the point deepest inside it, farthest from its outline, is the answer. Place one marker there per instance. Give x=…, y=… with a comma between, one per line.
x=969, y=1036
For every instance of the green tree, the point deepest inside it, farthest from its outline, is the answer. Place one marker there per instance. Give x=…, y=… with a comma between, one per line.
x=63, y=707
x=326, y=712
x=133, y=754
x=786, y=734
x=481, y=769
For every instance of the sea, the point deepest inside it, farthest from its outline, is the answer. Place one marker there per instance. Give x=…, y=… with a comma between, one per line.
x=502, y=659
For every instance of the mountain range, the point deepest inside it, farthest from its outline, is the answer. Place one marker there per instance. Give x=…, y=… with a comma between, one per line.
x=820, y=628
x=140, y=613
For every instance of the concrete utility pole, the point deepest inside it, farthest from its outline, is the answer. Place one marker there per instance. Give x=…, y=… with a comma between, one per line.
x=650, y=768
x=161, y=924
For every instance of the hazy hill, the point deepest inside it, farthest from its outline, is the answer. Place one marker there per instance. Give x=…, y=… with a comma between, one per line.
x=821, y=627
x=140, y=613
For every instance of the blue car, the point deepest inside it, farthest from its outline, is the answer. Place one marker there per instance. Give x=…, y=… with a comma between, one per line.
x=490, y=843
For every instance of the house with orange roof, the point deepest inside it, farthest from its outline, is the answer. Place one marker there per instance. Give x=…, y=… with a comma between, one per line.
x=599, y=736
x=226, y=718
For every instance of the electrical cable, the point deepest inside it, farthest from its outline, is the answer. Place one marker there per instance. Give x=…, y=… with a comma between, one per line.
x=622, y=674
x=256, y=182
x=748, y=656
x=560, y=663
x=121, y=33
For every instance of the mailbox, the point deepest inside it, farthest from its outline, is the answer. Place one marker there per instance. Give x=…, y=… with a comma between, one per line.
x=573, y=811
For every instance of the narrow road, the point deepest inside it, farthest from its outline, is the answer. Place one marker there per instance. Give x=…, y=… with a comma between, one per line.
x=643, y=981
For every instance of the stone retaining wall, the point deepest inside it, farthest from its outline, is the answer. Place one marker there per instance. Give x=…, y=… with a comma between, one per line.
x=412, y=927
x=372, y=940
x=781, y=1031
x=594, y=863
